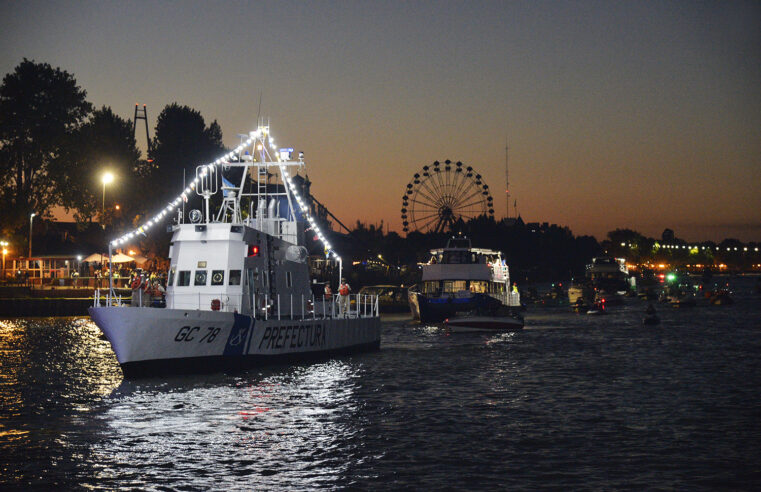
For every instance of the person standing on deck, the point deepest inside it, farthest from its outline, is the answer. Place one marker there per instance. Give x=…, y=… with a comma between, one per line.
x=343, y=300
x=328, y=293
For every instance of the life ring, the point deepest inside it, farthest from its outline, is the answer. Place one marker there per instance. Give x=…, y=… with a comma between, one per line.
x=135, y=283
x=147, y=286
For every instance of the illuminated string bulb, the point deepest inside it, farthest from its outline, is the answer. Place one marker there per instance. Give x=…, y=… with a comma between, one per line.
x=211, y=167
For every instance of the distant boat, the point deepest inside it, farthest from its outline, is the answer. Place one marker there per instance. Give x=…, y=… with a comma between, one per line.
x=651, y=318
x=678, y=290
x=610, y=278
x=720, y=297
x=459, y=279
x=598, y=307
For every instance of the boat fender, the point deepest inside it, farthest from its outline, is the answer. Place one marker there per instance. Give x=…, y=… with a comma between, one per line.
x=216, y=304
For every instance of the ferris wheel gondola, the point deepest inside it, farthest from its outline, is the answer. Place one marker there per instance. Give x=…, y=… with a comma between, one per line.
x=440, y=195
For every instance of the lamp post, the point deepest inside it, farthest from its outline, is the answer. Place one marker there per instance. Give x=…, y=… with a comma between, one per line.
x=106, y=179
x=4, y=244
x=31, y=219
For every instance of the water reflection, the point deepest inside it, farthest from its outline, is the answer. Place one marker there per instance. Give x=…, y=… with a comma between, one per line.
x=287, y=427
x=53, y=371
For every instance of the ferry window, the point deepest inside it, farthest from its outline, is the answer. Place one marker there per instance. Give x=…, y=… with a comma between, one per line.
x=200, y=277
x=218, y=277
x=234, y=277
x=183, y=280
x=170, y=281
x=288, y=280
x=430, y=287
x=454, y=285
x=479, y=286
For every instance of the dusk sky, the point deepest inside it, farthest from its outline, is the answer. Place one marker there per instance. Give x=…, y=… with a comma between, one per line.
x=644, y=115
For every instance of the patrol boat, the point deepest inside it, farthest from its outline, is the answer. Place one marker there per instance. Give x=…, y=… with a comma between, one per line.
x=238, y=289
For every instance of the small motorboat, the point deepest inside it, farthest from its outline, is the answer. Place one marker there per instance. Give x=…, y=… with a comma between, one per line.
x=598, y=307
x=720, y=297
x=651, y=318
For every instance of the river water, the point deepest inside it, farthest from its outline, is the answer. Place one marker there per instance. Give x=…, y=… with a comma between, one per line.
x=571, y=402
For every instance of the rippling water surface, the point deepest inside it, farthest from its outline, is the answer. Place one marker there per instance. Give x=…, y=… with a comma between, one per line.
x=572, y=402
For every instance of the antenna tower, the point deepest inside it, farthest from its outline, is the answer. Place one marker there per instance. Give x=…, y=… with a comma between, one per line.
x=507, y=182
x=142, y=114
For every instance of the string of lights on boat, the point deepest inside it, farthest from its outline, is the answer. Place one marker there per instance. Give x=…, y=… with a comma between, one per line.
x=262, y=135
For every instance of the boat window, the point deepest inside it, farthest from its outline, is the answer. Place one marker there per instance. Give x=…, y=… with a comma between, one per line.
x=454, y=285
x=183, y=280
x=430, y=287
x=200, y=278
x=288, y=280
x=457, y=257
x=170, y=281
x=479, y=286
x=234, y=277
x=218, y=277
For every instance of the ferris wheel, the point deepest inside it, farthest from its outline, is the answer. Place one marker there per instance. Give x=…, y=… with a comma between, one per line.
x=441, y=194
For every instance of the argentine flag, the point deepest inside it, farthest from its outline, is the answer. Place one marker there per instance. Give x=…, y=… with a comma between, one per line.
x=226, y=184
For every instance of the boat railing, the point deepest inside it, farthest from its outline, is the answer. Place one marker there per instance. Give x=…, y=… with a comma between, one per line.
x=266, y=306
x=512, y=299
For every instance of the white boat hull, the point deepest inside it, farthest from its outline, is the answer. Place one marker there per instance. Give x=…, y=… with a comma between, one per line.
x=484, y=324
x=151, y=341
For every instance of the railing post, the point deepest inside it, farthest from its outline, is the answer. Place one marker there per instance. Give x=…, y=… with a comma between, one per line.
x=314, y=308
x=254, y=309
x=266, y=306
x=302, y=306
x=291, y=295
x=278, y=307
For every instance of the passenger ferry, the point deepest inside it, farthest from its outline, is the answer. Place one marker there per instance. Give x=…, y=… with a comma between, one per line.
x=238, y=292
x=459, y=280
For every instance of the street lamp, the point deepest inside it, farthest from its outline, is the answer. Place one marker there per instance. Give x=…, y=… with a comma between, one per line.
x=106, y=179
x=4, y=244
x=31, y=218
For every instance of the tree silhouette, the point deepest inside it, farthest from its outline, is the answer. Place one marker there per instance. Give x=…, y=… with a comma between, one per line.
x=182, y=141
x=39, y=106
x=104, y=143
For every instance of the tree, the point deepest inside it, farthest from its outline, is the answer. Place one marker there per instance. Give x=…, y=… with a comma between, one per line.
x=39, y=107
x=182, y=141
x=105, y=143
